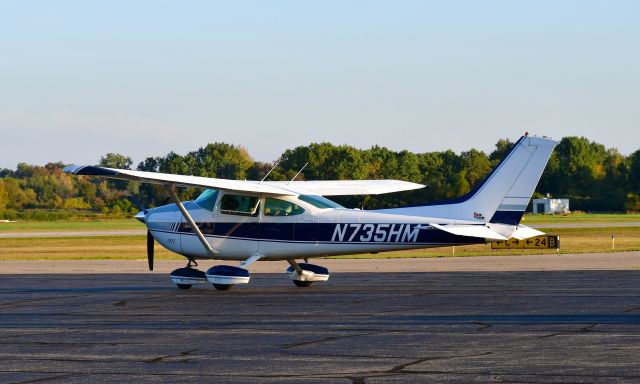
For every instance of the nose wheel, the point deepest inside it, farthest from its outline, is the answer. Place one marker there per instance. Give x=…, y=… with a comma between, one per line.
x=186, y=277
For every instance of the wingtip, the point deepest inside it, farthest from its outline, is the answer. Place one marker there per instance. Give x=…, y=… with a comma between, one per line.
x=89, y=170
x=72, y=169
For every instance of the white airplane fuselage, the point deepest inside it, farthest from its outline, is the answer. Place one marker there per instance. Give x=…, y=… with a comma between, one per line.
x=313, y=233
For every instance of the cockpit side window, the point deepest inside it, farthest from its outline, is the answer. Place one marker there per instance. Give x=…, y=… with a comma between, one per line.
x=277, y=207
x=239, y=205
x=207, y=199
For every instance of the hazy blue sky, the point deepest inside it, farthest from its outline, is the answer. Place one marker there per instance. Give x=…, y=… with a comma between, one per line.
x=79, y=79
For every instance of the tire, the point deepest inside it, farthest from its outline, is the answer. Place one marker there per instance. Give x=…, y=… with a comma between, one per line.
x=302, y=284
x=184, y=286
x=223, y=287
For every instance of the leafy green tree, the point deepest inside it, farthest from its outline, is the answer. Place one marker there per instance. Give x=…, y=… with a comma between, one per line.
x=4, y=172
x=502, y=147
x=634, y=171
x=4, y=196
x=476, y=165
x=116, y=160
x=220, y=160
x=632, y=203
x=175, y=164
x=461, y=184
x=19, y=196
x=594, y=177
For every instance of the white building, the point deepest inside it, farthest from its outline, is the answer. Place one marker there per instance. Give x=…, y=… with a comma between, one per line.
x=550, y=205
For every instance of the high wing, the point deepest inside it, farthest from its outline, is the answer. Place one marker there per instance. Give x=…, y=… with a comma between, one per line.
x=347, y=187
x=292, y=188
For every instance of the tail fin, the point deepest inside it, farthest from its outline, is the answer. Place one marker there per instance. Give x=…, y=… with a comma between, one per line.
x=503, y=195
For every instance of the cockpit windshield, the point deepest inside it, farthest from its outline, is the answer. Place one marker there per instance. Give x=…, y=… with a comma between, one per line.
x=207, y=199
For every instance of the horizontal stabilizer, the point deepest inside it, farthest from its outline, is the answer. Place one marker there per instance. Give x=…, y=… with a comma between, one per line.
x=523, y=232
x=479, y=230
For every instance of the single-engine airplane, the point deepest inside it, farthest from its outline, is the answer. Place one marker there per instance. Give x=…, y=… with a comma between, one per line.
x=249, y=221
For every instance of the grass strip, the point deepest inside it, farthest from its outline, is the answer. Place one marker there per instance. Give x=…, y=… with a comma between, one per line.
x=572, y=240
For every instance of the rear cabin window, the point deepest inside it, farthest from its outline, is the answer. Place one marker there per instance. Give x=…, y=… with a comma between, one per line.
x=239, y=205
x=207, y=199
x=319, y=201
x=277, y=207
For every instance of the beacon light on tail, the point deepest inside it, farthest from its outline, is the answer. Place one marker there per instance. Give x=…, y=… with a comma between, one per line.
x=251, y=221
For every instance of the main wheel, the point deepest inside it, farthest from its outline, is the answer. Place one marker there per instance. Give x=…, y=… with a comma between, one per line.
x=184, y=286
x=223, y=287
x=302, y=284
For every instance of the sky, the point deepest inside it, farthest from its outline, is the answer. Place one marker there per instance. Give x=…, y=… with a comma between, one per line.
x=79, y=79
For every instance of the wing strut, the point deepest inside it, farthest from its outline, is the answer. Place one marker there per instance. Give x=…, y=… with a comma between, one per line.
x=171, y=190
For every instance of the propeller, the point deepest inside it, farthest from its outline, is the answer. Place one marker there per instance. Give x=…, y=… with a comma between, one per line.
x=150, y=243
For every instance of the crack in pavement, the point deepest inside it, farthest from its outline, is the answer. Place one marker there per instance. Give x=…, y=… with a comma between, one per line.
x=331, y=338
x=43, y=379
x=19, y=303
x=181, y=354
x=400, y=369
x=586, y=329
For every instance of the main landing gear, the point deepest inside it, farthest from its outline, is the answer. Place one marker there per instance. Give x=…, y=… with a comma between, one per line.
x=223, y=277
x=303, y=274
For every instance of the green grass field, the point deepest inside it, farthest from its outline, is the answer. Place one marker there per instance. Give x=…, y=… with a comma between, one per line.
x=580, y=218
x=80, y=248
x=572, y=240
x=49, y=226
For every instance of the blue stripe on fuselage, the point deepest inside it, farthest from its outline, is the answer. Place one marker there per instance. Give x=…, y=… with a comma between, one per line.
x=335, y=233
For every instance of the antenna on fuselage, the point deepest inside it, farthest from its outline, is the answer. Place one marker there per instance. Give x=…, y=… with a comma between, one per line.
x=268, y=173
x=299, y=172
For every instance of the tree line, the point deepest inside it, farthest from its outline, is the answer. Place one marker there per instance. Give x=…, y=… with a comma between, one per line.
x=595, y=178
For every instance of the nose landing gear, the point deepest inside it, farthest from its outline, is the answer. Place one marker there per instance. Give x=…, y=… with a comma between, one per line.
x=185, y=277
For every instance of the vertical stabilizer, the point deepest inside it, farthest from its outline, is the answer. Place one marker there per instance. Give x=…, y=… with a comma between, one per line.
x=503, y=195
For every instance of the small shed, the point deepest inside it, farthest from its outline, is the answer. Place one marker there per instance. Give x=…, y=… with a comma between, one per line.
x=550, y=205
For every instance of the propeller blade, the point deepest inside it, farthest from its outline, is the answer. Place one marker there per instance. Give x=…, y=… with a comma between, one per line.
x=150, y=243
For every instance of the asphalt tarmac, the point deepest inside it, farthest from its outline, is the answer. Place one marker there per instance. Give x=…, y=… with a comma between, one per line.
x=577, y=325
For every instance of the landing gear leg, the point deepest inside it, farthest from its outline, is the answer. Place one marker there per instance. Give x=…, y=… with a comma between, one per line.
x=300, y=275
